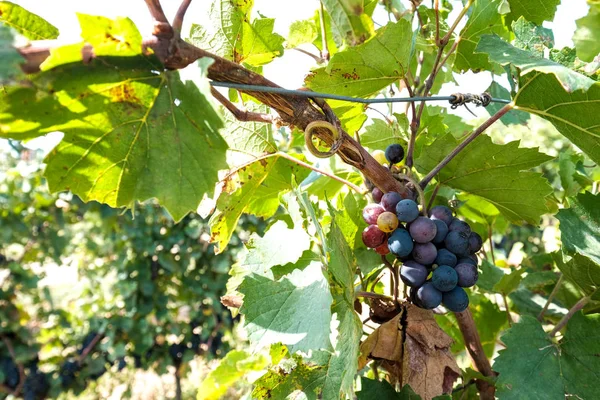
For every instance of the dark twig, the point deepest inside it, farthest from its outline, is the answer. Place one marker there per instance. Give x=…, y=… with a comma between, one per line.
x=245, y=116
x=578, y=306
x=179, y=16
x=464, y=144
x=315, y=57
x=550, y=298
x=90, y=347
x=433, y=196
x=414, y=128
x=162, y=27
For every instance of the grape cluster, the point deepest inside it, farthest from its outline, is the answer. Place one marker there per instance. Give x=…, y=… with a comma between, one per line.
x=437, y=251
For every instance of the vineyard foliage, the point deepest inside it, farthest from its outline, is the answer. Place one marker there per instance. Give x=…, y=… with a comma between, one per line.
x=184, y=208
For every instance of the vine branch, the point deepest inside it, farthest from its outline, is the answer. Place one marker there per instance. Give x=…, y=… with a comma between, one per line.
x=245, y=116
x=578, y=306
x=179, y=16
x=89, y=347
x=550, y=298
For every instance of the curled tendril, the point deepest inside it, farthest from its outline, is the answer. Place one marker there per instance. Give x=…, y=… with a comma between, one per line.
x=337, y=137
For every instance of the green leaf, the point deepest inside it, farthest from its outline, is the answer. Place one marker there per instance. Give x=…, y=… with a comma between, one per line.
x=582, y=271
x=483, y=19
x=536, y=11
x=509, y=282
x=532, y=37
x=302, y=32
x=371, y=389
x=294, y=310
x=9, y=67
x=511, y=117
x=231, y=34
x=233, y=367
x=350, y=20
x=587, y=34
x=380, y=135
x=534, y=367
x=129, y=133
x=494, y=172
x=28, y=24
x=252, y=189
x=503, y=53
x=580, y=226
x=364, y=70
x=543, y=95
x=110, y=37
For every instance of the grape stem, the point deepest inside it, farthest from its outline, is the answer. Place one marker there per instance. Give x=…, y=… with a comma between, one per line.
x=464, y=144
x=324, y=50
x=578, y=306
x=13, y=355
x=372, y=295
x=178, y=19
x=90, y=347
x=550, y=298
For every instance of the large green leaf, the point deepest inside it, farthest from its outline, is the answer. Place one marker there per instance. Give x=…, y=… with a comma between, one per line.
x=494, y=172
x=573, y=114
x=580, y=226
x=350, y=20
x=364, y=70
x=581, y=270
x=534, y=367
x=483, y=19
x=253, y=189
x=294, y=310
x=511, y=117
x=536, y=11
x=503, y=53
x=381, y=134
x=129, y=133
x=233, y=36
x=28, y=24
x=587, y=34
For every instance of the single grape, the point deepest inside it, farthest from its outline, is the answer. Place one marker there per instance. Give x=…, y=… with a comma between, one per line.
x=387, y=221
x=394, y=153
x=457, y=242
x=444, y=278
x=389, y=201
x=371, y=212
x=456, y=300
x=407, y=210
x=413, y=296
x=475, y=242
x=445, y=257
x=372, y=236
x=377, y=194
x=422, y=230
x=413, y=274
x=424, y=253
x=400, y=243
x=383, y=248
x=10, y=371
x=467, y=274
x=429, y=297
x=461, y=226
x=442, y=231
x=442, y=213
x=467, y=260
x=379, y=155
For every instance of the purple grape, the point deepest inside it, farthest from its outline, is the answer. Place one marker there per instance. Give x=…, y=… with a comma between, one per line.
x=389, y=201
x=407, y=210
x=456, y=300
x=400, y=243
x=457, y=242
x=467, y=260
x=444, y=278
x=475, y=242
x=445, y=257
x=442, y=231
x=461, y=226
x=371, y=212
x=377, y=194
x=372, y=236
x=413, y=274
x=424, y=253
x=467, y=274
x=428, y=296
x=422, y=230
x=442, y=213
x=394, y=153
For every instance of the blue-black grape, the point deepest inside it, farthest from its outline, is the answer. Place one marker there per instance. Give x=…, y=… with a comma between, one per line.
x=467, y=274
x=442, y=213
x=456, y=300
x=467, y=260
x=445, y=257
x=10, y=371
x=457, y=242
x=475, y=242
x=413, y=274
x=394, y=153
x=428, y=296
x=36, y=385
x=371, y=212
x=390, y=200
x=444, y=278
x=407, y=210
x=400, y=243
x=424, y=253
x=461, y=226
x=422, y=230
x=442, y=231
x=372, y=236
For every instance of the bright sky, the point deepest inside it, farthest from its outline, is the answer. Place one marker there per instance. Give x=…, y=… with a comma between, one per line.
x=289, y=70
